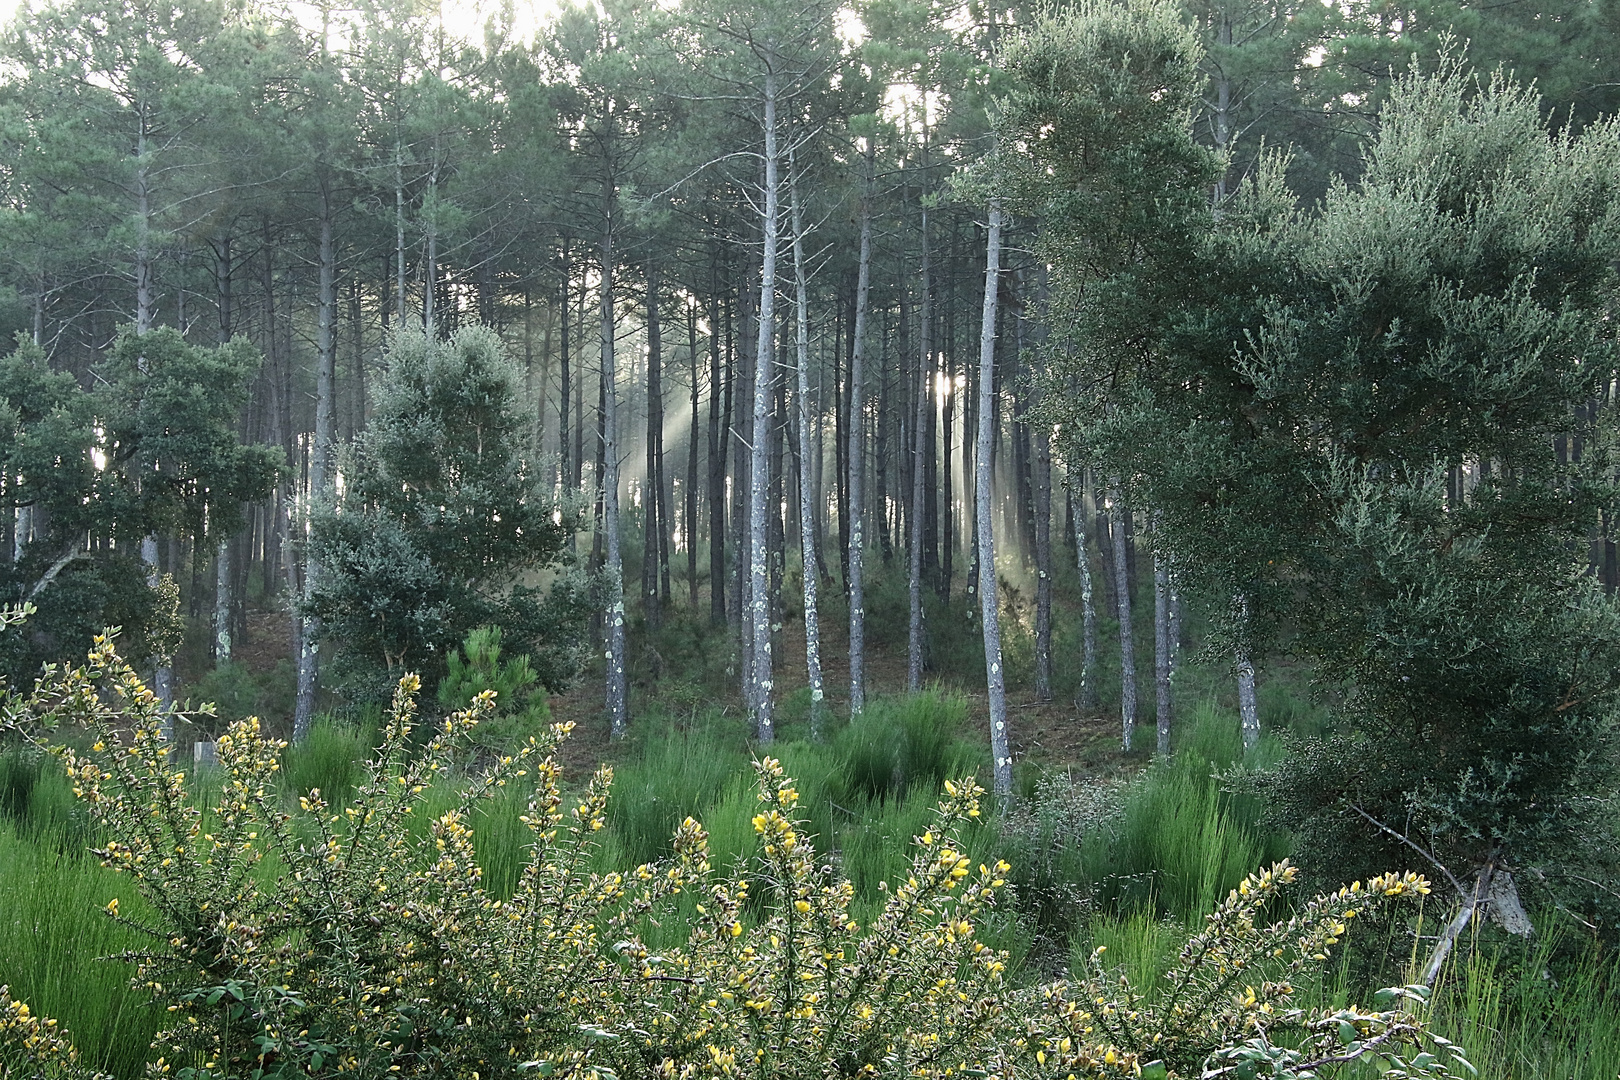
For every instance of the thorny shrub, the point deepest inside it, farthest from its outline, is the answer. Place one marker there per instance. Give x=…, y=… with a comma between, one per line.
x=341, y=941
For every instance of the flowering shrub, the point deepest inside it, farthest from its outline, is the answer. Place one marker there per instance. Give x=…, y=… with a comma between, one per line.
x=31, y=1047
x=338, y=940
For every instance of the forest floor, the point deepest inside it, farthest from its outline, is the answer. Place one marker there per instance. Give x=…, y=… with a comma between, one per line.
x=1048, y=735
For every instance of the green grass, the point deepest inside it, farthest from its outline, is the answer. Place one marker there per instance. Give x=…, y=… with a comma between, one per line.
x=1124, y=864
x=54, y=936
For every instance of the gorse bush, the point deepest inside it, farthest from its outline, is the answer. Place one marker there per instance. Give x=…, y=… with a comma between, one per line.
x=378, y=950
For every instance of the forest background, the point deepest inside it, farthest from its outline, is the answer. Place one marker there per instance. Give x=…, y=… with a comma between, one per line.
x=656, y=347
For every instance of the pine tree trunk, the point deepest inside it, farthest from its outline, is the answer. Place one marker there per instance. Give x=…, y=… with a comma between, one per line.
x=1248, y=705
x=618, y=689
x=1042, y=448
x=651, y=604
x=990, y=616
x=1086, y=700
x=690, y=528
x=807, y=517
x=223, y=582
x=1122, y=591
x=565, y=473
x=325, y=378
x=759, y=613
x=1163, y=648
x=857, y=450
x=915, y=643
x=717, y=465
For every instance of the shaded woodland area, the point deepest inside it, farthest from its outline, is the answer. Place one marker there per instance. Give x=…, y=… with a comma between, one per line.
x=1232, y=384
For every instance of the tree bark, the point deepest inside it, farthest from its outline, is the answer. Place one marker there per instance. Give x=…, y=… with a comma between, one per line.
x=618, y=689
x=807, y=516
x=223, y=582
x=857, y=450
x=1042, y=468
x=1248, y=705
x=1122, y=591
x=1163, y=647
x=990, y=616
x=652, y=607
x=915, y=643
x=325, y=376
x=759, y=606
x=717, y=465
x=1086, y=699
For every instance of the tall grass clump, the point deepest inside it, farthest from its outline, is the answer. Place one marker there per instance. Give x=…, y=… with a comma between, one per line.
x=672, y=773
x=329, y=760
x=1537, y=1008
x=1169, y=842
x=56, y=945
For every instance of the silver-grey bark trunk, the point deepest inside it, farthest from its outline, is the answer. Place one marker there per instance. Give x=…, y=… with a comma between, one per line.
x=1122, y=590
x=919, y=487
x=1163, y=648
x=807, y=478
x=618, y=689
x=1041, y=437
x=319, y=455
x=990, y=616
x=1086, y=699
x=759, y=596
x=1248, y=706
x=223, y=580
x=857, y=453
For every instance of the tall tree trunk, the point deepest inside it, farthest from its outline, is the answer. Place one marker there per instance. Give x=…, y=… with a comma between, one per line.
x=990, y=616
x=1163, y=644
x=399, y=234
x=565, y=473
x=807, y=517
x=651, y=603
x=915, y=643
x=690, y=527
x=145, y=284
x=1086, y=699
x=717, y=462
x=759, y=607
x=1248, y=706
x=857, y=450
x=618, y=689
x=1042, y=447
x=309, y=629
x=223, y=581
x=1122, y=590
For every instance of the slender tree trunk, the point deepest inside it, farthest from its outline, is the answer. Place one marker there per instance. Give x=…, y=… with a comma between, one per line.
x=691, y=493
x=759, y=607
x=565, y=473
x=325, y=376
x=399, y=234
x=145, y=284
x=1122, y=590
x=223, y=582
x=857, y=451
x=651, y=603
x=1248, y=706
x=807, y=516
x=915, y=642
x=717, y=465
x=990, y=616
x=1163, y=646
x=1042, y=447
x=618, y=689
x=1086, y=699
